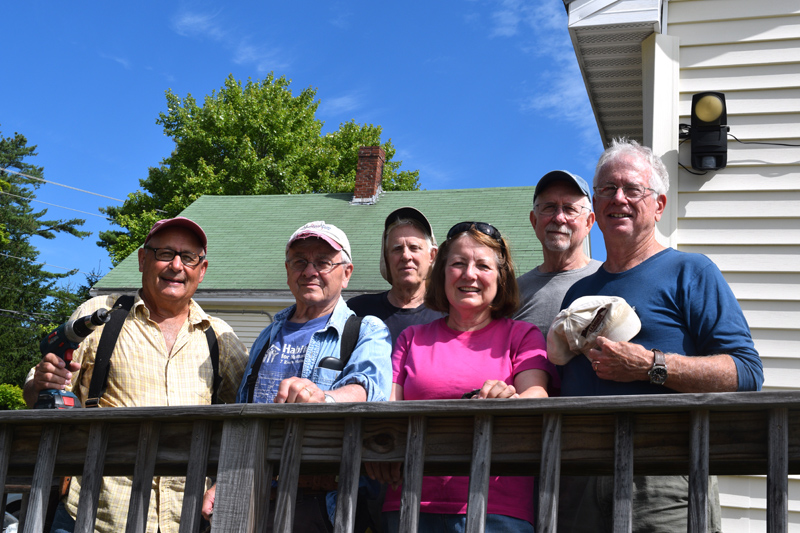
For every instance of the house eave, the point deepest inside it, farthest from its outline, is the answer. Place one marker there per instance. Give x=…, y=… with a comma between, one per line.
x=607, y=38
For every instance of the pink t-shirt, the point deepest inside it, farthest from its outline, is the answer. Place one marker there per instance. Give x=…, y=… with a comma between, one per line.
x=434, y=362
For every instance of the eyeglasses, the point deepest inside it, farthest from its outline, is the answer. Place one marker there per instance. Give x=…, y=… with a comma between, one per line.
x=323, y=266
x=609, y=190
x=571, y=211
x=483, y=227
x=168, y=254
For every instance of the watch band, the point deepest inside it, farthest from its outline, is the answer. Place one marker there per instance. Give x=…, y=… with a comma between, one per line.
x=658, y=374
x=329, y=398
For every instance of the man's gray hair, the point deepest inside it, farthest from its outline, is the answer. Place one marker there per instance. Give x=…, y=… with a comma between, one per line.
x=624, y=147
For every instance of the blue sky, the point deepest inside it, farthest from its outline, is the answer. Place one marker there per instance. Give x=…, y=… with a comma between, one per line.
x=472, y=93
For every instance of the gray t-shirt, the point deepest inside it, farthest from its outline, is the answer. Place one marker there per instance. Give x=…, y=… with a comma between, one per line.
x=541, y=293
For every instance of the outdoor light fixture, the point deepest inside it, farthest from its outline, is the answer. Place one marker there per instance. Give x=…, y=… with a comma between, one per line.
x=709, y=131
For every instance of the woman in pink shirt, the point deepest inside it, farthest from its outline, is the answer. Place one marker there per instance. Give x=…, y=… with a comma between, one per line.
x=477, y=348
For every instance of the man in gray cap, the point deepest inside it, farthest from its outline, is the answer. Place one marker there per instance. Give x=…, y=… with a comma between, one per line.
x=561, y=217
x=408, y=250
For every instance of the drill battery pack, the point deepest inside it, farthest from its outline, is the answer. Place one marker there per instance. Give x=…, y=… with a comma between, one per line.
x=56, y=399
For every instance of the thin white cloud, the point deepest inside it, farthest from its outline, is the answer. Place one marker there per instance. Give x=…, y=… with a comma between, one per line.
x=505, y=23
x=539, y=28
x=341, y=104
x=264, y=58
x=120, y=60
x=189, y=24
x=198, y=25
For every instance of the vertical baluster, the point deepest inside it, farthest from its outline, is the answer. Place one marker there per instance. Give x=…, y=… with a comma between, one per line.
x=143, y=477
x=549, y=474
x=195, y=476
x=238, y=456
x=288, y=475
x=412, y=473
x=42, y=478
x=698, y=471
x=92, y=477
x=623, y=474
x=348, y=476
x=479, y=474
x=778, y=471
x=6, y=434
x=262, y=477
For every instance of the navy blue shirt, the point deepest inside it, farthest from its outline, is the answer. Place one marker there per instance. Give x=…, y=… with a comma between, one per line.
x=685, y=306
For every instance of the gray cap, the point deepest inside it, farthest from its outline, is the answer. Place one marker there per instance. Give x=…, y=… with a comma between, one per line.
x=560, y=175
x=402, y=213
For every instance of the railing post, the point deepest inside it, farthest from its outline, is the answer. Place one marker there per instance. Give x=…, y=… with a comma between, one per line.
x=349, y=469
x=92, y=477
x=549, y=474
x=479, y=474
x=412, y=474
x=623, y=474
x=778, y=471
x=42, y=478
x=143, y=477
x=698, y=471
x=289, y=475
x=242, y=451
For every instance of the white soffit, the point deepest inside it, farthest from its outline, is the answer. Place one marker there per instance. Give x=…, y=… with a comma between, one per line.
x=607, y=36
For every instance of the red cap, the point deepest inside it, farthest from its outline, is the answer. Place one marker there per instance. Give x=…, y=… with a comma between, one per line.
x=179, y=222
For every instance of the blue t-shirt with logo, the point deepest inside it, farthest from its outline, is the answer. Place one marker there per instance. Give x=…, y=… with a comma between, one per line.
x=284, y=358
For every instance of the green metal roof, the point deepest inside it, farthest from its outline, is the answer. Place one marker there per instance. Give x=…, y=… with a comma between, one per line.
x=247, y=234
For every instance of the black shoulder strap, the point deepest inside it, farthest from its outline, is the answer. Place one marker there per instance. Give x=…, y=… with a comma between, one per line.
x=213, y=350
x=253, y=377
x=108, y=339
x=352, y=330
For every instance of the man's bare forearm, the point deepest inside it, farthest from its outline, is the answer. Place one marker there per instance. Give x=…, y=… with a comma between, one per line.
x=713, y=373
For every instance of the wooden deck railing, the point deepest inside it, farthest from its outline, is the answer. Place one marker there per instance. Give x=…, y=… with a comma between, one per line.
x=244, y=446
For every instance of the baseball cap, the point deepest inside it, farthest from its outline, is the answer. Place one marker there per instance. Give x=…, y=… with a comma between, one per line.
x=576, y=328
x=560, y=175
x=179, y=222
x=327, y=232
x=402, y=213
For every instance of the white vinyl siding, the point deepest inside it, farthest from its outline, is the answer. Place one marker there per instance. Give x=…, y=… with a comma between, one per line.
x=746, y=217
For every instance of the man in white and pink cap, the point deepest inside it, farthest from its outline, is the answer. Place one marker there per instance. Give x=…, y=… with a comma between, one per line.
x=299, y=358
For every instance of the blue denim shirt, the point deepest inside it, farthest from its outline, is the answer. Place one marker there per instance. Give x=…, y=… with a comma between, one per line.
x=370, y=364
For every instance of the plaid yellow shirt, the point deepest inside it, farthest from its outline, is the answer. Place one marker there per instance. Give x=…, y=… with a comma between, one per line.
x=142, y=373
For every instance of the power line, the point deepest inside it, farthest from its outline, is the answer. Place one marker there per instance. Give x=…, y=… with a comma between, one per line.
x=30, y=314
x=56, y=205
x=45, y=264
x=61, y=185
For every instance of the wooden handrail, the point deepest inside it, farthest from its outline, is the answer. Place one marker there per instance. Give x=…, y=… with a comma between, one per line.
x=246, y=445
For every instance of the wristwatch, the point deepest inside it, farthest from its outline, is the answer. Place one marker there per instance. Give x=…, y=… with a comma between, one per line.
x=329, y=399
x=658, y=374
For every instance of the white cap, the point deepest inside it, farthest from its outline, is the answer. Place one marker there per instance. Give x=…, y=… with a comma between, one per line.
x=327, y=232
x=576, y=328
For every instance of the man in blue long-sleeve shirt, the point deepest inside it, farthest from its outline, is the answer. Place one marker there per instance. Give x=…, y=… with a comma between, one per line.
x=694, y=337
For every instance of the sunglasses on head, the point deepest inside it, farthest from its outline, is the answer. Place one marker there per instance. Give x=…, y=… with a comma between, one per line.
x=483, y=227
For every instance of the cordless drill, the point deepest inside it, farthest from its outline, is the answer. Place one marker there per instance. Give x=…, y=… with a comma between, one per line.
x=62, y=341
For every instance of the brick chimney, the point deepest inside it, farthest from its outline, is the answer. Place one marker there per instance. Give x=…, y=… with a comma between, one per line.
x=369, y=173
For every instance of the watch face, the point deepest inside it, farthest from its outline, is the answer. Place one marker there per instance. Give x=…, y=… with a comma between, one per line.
x=658, y=375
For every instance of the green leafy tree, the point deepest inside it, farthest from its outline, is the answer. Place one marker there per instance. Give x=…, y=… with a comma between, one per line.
x=255, y=138
x=31, y=301
x=11, y=397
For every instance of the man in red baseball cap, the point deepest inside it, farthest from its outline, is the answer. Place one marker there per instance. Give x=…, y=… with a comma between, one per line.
x=163, y=354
